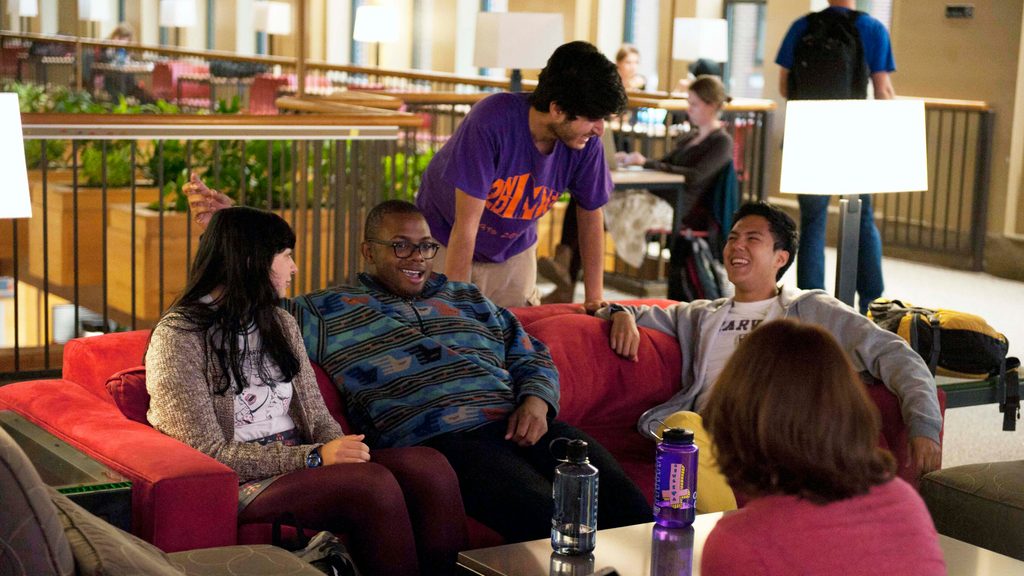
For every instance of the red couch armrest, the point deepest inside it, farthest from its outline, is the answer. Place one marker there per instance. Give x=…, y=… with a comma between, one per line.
x=89, y=362
x=895, y=434
x=181, y=498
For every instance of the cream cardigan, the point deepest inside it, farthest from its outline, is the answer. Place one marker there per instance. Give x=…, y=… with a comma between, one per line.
x=183, y=407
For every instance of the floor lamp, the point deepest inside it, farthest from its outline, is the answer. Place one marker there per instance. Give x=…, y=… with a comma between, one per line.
x=516, y=41
x=273, y=19
x=14, y=202
x=375, y=24
x=696, y=38
x=177, y=14
x=851, y=147
x=94, y=12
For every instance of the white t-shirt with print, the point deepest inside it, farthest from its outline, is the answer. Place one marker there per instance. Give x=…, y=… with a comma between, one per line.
x=261, y=409
x=741, y=318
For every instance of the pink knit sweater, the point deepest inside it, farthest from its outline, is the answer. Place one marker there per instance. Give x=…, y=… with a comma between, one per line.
x=886, y=531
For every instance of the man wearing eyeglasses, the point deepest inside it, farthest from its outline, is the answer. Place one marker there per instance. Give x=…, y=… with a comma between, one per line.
x=423, y=361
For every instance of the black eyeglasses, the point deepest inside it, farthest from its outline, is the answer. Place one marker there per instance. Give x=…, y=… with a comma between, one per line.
x=405, y=249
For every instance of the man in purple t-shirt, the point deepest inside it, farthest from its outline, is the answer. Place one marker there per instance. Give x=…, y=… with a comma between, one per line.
x=507, y=164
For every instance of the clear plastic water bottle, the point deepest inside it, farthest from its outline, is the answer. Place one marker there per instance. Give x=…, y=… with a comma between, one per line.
x=574, y=521
x=675, y=480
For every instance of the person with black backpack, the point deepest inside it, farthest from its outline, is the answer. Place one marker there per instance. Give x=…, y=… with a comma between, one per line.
x=831, y=55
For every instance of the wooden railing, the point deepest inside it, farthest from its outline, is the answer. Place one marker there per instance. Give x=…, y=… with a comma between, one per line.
x=113, y=255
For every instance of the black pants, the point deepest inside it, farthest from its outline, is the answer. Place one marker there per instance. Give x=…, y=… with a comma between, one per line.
x=508, y=488
x=571, y=238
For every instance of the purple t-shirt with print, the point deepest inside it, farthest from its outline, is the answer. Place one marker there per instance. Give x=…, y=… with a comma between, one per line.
x=492, y=156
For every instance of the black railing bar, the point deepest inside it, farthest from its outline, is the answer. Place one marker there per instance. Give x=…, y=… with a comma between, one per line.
x=160, y=224
x=949, y=187
x=76, y=301
x=979, y=225
x=339, y=223
x=44, y=168
x=188, y=221
x=207, y=132
x=270, y=175
x=243, y=179
x=17, y=338
x=133, y=208
x=964, y=158
x=22, y=375
x=314, y=253
x=104, y=269
x=936, y=174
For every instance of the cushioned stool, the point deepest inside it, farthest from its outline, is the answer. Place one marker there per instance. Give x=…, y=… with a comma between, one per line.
x=982, y=504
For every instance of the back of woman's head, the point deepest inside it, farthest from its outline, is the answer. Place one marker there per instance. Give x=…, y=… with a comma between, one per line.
x=710, y=90
x=788, y=415
x=234, y=262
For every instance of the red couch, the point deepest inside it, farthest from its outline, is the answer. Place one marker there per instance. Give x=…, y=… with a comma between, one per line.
x=183, y=499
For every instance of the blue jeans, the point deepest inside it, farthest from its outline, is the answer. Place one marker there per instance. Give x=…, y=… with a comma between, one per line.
x=810, y=263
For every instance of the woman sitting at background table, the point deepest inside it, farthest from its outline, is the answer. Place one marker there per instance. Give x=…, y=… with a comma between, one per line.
x=228, y=374
x=794, y=430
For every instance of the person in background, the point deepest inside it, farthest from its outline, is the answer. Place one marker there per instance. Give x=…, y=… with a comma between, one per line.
x=564, y=267
x=840, y=25
x=794, y=430
x=228, y=374
x=508, y=163
x=699, y=155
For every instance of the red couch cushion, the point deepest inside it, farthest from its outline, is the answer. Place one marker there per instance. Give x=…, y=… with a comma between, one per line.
x=597, y=385
x=89, y=362
x=128, y=389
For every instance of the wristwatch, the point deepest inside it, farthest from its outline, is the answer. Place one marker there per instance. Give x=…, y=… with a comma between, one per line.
x=616, y=307
x=313, y=459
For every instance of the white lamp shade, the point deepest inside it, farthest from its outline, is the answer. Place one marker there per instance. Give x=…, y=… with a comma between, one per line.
x=516, y=39
x=694, y=38
x=834, y=147
x=14, y=199
x=375, y=23
x=94, y=10
x=25, y=8
x=272, y=17
x=177, y=13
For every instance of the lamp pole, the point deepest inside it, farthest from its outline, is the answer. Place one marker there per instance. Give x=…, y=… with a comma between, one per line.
x=848, y=247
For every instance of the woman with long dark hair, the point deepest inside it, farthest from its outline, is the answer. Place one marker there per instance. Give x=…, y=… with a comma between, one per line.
x=793, y=429
x=228, y=374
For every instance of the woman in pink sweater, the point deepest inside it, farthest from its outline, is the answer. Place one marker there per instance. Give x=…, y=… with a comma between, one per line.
x=795, y=431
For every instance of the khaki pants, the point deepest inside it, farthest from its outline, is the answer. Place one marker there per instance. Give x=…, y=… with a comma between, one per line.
x=507, y=284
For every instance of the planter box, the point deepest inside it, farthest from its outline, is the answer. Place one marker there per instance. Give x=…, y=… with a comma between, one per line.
x=147, y=259
x=148, y=304
x=60, y=229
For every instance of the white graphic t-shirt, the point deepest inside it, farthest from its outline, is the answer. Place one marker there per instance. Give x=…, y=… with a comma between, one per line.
x=261, y=409
x=741, y=318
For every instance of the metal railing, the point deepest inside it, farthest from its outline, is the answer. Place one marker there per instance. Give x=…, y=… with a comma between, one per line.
x=947, y=222
x=100, y=254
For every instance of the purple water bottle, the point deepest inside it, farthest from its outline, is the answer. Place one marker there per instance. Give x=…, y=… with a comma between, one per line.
x=675, y=480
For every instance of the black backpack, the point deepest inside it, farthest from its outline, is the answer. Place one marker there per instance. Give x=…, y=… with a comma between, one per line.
x=829, y=59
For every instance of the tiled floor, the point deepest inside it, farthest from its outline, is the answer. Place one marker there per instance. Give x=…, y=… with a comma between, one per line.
x=972, y=434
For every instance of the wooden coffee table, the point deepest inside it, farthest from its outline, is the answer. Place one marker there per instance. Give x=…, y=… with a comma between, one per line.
x=629, y=551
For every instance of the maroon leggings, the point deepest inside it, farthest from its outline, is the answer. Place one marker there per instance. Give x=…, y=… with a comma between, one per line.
x=402, y=511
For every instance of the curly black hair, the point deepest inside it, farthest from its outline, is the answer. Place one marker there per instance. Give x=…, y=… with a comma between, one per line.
x=581, y=81
x=783, y=228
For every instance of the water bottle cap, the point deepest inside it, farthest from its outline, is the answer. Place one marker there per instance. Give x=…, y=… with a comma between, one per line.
x=576, y=451
x=677, y=436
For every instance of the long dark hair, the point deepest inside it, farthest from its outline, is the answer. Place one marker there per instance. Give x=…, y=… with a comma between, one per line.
x=235, y=254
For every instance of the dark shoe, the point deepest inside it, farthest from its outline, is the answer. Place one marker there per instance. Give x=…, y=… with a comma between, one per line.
x=557, y=269
x=558, y=296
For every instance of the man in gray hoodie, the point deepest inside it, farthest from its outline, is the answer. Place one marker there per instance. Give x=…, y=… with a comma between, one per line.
x=761, y=246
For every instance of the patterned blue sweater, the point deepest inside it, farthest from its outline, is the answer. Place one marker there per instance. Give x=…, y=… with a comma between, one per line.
x=410, y=370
